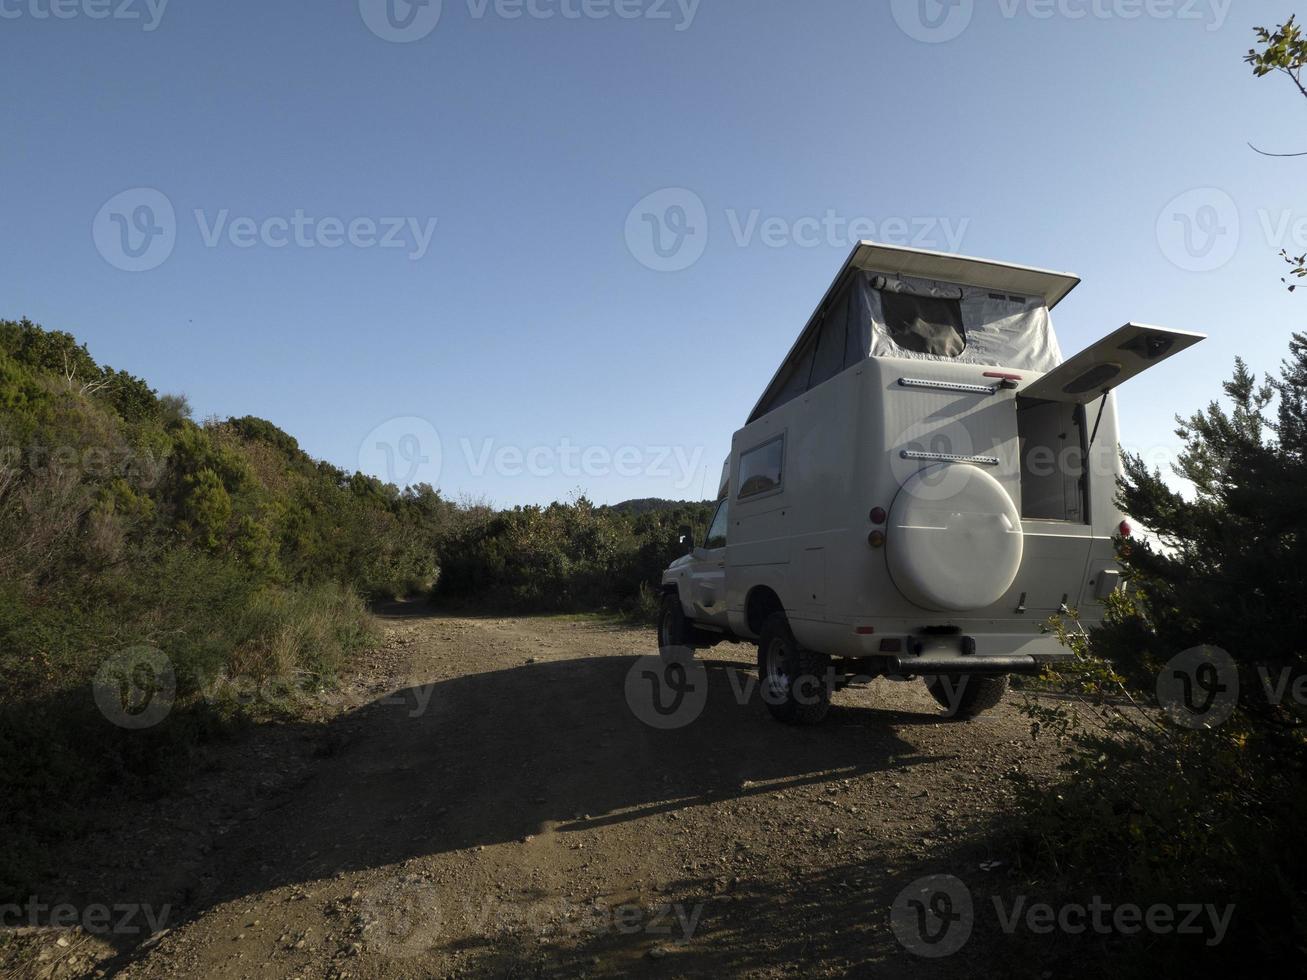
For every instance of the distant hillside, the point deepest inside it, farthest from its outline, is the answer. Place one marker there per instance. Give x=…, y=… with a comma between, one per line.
x=654, y=505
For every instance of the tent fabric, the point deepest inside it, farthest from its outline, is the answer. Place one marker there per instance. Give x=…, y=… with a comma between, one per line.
x=875, y=315
x=999, y=329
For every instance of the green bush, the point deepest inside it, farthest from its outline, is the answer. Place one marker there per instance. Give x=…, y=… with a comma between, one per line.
x=564, y=557
x=244, y=561
x=1153, y=811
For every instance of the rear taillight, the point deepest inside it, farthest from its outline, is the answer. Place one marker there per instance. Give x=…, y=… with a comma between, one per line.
x=878, y=515
x=876, y=539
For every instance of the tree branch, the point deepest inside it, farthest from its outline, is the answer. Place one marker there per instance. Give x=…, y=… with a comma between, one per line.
x=1265, y=154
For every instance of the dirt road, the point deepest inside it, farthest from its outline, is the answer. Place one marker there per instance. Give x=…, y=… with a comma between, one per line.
x=489, y=803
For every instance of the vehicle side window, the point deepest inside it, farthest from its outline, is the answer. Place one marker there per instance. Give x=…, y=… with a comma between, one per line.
x=761, y=469
x=717, y=531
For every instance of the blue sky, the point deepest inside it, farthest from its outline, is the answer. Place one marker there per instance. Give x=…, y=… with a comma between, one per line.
x=465, y=185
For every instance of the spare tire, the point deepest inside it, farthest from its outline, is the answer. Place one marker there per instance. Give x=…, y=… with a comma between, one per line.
x=954, y=539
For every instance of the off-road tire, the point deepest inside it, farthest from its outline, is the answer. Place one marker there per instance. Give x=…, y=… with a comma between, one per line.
x=675, y=635
x=974, y=693
x=801, y=694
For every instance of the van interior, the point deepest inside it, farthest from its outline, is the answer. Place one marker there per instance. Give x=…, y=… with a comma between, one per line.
x=1053, y=449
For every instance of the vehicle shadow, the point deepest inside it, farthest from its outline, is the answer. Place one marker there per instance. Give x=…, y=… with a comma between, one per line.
x=549, y=748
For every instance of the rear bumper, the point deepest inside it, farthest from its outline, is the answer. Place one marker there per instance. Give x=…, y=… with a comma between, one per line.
x=970, y=653
x=963, y=665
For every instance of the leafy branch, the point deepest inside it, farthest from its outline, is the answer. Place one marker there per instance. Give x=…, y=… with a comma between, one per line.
x=1283, y=50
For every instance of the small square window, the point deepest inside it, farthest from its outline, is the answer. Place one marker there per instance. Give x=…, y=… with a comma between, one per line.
x=761, y=469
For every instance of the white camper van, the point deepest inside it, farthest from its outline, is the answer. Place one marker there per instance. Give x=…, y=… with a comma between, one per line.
x=922, y=485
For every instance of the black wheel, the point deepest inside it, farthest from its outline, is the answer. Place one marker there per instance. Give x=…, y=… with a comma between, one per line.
x=967, y=695
x=674, y=631
x=796, y=685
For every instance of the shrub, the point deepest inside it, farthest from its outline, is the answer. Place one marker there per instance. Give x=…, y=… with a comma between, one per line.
x=1153, y=811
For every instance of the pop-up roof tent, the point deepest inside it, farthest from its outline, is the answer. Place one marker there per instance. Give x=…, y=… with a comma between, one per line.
x=904, y=302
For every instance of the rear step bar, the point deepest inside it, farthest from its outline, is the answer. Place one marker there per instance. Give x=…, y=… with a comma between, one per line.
x=964, y=665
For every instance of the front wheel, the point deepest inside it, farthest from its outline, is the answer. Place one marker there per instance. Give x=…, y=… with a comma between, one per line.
x=966, y=695
x=796, y=685
x=674, y=632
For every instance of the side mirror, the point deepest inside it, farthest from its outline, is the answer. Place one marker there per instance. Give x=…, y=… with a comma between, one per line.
x=685, y=538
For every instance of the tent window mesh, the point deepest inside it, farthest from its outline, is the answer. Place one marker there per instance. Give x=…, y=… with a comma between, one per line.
x=925, y=324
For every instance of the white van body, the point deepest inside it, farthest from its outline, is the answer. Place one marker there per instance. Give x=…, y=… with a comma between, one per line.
x=925, y=481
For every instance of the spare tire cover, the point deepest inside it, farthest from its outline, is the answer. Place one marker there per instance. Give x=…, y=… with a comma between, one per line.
x=954, y=538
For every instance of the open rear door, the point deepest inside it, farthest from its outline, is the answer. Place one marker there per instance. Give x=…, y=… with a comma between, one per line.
x=1116, y=358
